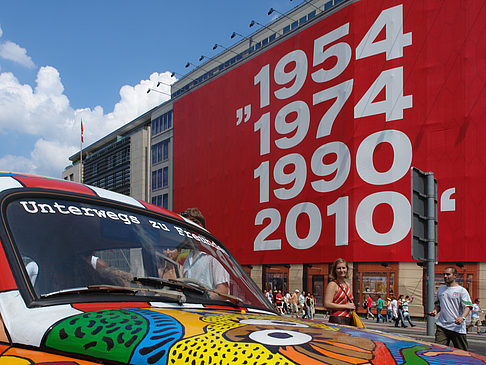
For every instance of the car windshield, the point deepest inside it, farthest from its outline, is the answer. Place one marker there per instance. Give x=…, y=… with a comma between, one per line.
x=78, y=247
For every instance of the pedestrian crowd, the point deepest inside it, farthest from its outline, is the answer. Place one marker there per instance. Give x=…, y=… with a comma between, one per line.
x=396, y=310
x=456, y=314
x=298, y=304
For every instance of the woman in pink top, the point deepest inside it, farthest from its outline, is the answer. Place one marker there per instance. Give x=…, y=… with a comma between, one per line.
x=338, y=298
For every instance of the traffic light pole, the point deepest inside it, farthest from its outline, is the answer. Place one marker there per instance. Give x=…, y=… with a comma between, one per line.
x=430, y=251
x=424, y=236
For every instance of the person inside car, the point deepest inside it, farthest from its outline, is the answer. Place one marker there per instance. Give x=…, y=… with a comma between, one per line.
x=202, y=266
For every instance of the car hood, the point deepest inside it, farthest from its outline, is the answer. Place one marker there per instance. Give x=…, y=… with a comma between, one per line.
x=154, y=335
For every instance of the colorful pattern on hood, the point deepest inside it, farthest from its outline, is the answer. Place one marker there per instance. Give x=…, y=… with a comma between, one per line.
x=156, y=336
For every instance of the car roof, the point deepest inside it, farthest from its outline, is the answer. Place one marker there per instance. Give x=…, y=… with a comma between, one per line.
x=15, y=180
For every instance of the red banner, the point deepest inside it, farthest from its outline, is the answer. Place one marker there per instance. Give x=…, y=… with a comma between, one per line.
x=303, y=153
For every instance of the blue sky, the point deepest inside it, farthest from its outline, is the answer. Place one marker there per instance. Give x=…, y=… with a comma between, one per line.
x=61, y=61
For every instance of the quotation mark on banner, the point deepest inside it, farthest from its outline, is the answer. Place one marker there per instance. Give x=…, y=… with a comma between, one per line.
x=447, y=202
x=243, y=112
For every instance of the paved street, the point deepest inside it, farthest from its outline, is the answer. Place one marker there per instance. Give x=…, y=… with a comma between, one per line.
x=477, y=343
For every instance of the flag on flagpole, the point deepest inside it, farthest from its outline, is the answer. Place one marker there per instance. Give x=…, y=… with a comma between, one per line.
x=82, y=130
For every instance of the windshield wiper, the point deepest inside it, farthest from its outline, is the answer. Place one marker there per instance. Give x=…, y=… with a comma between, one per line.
x=92, y=289
x=114, y=289
x=192, y=284
x=172, y=283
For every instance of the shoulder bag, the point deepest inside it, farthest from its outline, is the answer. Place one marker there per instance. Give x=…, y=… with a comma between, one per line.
x=356, y=321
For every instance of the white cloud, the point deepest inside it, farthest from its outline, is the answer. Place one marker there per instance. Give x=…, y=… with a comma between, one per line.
x=55, y=149
x=16, y=163
x=45, y=113
x=13, y=52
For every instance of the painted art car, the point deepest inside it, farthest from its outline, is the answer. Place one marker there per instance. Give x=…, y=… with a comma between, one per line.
x=90, y=276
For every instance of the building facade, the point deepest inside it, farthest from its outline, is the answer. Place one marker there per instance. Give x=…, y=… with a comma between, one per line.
x=161, y=156
x=297, y=144
x=119, y=162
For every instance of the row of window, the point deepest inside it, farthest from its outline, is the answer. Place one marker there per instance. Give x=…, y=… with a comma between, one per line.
x=254, y=47
x=160, y=152
x=113, y=157
x=161, y=201
x=118, y=181
x=101, y=153
x=300, y=22
x=162, y=123
x=160, y=178
x=108, y=163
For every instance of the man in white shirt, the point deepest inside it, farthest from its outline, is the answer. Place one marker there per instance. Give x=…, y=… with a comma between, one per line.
x=286, y=305
x=394, y=310
x=207, y=270
x=302, y=303
x=406, y=313
x=453, y=304
x=201, y=266
x=475, y=321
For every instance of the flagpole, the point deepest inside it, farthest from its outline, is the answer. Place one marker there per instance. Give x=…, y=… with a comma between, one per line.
x=81, y=159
